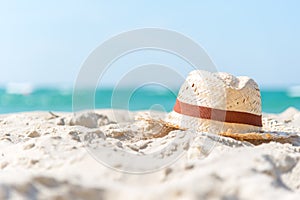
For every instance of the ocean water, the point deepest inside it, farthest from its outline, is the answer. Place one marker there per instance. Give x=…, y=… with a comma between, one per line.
x=49, y=99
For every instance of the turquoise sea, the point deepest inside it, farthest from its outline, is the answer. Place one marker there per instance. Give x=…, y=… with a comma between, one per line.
x=50, y=99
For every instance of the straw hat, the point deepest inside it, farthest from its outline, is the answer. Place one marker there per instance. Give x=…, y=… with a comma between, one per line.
x=217, y=102
x=226, y=105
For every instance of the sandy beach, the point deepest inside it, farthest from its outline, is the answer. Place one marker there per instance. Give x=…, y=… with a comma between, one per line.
x=139, y=100
x=44, y=156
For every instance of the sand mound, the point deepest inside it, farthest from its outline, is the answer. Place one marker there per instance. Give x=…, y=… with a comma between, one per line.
x=57, y=156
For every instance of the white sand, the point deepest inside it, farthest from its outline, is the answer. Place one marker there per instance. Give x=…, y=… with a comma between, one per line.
x=44, y=157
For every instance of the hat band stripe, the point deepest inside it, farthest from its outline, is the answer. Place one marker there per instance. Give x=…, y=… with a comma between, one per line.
x=217, y=114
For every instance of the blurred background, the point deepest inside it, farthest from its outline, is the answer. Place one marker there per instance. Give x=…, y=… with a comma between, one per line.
x=43, y=45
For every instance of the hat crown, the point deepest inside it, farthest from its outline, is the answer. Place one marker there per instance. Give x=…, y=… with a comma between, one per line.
x=222, y=91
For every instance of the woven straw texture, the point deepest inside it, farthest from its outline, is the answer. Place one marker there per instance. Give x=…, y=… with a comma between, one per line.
x=219, y=91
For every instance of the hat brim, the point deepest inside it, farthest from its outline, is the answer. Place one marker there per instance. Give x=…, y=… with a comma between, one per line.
x=271, y=130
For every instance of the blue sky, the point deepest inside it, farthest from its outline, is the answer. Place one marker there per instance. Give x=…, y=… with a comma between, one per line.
x=45, y=43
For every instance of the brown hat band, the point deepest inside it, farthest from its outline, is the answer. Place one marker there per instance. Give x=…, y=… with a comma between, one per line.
x=217, y=114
